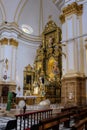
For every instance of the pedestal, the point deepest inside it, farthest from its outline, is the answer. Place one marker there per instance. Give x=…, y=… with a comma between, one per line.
x=73, y=91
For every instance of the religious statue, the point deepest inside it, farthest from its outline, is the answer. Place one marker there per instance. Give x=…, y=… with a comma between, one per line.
x=51, y=41
x=5, y=69
x=36, y=88
x=55, y=68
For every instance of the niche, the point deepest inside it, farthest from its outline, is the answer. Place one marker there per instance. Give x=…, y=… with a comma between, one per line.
x=28, y=80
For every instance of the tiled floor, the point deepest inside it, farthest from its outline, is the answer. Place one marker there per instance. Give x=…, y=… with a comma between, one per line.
x=3, y=122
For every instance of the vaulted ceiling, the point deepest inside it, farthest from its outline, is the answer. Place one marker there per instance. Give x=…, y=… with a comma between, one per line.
x=34, y=13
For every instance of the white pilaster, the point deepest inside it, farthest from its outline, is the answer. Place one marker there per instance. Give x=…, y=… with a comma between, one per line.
x=8, y=53
x=74, y=45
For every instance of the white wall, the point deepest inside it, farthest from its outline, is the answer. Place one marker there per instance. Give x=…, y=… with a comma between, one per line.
x=25, y=55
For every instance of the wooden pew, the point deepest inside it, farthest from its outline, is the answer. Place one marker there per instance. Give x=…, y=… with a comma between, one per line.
x=36, y=118
x=53, y=122
x=79, y=114
x=69, y=109
x=26, y=120
x=80, y=125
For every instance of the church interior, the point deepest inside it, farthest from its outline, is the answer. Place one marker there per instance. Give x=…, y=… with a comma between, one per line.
x=43, y=62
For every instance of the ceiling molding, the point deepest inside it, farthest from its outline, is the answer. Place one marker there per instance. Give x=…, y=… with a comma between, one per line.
x=2, y=11
x=59, y=3
x=19, y=9
x=13, y=28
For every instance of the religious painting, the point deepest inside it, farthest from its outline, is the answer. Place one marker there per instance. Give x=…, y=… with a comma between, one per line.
x=50, y=68
x=50, y=39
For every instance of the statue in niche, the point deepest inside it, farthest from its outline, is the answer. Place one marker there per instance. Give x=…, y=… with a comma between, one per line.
x=51, y=41
x=36, y=88
x=41, y=84
x=55, y=68
x=19, y=91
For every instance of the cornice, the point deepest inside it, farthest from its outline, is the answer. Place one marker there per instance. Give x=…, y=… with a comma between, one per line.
x=12, y=83
x=14, y=28
x=73, y=8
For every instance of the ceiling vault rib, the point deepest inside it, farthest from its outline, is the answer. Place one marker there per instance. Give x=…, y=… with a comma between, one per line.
x=19, y=10
x=3, y=11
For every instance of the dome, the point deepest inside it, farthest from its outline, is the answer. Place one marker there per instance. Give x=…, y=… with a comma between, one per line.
x=32, y=14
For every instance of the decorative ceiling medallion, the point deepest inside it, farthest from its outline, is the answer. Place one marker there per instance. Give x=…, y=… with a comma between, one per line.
x=27, y=29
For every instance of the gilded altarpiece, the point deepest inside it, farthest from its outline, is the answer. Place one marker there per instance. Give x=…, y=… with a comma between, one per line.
x=28, y=80
x=48, y=64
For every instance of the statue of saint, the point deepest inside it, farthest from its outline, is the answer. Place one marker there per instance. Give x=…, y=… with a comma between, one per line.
x=51, y=41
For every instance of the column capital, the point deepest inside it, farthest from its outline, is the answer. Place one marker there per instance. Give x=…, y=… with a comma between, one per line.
x=73, y=8
x=11, y=41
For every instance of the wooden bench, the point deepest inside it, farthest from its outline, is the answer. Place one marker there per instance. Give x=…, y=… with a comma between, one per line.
x=80, y=125
x=64, y=117
x=69, y=109
x=26, y=120
x=53, y=122
x=79, y=114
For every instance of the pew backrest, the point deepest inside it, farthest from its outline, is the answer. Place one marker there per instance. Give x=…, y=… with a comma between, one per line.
x=80, y=125
x=26, y=120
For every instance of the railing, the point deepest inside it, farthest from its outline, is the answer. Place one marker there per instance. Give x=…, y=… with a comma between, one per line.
x=26, y=120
